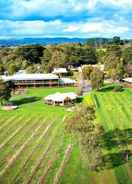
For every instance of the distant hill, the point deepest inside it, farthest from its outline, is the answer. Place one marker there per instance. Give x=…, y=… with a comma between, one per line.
x=41, y=41
x=46, y=41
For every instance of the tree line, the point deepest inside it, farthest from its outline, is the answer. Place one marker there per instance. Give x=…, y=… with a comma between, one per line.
x=116, y=57
x=36, y=58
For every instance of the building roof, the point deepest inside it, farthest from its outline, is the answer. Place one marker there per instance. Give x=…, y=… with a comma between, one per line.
x=59, y=70
x=67, y=81
x=60, y=97
x=129, y=79
x=21, y=72
x=35, y=76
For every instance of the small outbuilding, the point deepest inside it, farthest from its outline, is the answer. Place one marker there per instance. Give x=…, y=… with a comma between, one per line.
x=61, y=99
x=60, y=71
x=127, y=82
x=67, y=82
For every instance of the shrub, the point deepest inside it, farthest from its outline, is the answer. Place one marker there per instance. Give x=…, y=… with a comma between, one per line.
x=88, y=101
x=118, y=89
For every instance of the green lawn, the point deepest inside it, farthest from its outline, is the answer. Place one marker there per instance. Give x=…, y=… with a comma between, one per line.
x=32, y=103
x=21, y=149
x=33, y=141
x=114, y=110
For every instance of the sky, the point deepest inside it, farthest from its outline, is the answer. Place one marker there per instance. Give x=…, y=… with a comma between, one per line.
x=65, y=18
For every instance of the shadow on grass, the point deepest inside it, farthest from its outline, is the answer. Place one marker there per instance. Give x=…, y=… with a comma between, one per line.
x=120, y=140
x=112, y=87
x=107, y=88
x=117, y=138
x=25, y=100
x=116, y=159
x=79, y=99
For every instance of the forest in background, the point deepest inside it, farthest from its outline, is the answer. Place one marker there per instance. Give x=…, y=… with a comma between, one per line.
x=115, y=54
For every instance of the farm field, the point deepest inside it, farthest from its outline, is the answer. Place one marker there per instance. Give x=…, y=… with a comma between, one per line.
x=114, y=111
x=34, y=147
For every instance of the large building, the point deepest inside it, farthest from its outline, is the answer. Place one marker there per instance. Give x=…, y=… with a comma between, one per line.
x=33, y=80
x=22, y=80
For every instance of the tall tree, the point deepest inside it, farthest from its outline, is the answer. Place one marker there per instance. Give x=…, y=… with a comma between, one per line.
x=116, y=40
x=120, y=71
x=5, y=91
x=114, y=62
x=89, y=135
x=97, y=78
x=31, y=69
x=1, y=69
x=31, y=53
x=88, y=55
x=86, y=72
x=12, y=69
x=127, y=55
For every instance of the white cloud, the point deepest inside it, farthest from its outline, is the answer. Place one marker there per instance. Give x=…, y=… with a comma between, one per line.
x=65, y=17
x=72, y=28
x=104, y=27
x=29, y=28
x=117, y=3
x=79, y=6
x=47, y=8
x=92, y=4
x=121, y=3
x=99, y=26
x=59, y=28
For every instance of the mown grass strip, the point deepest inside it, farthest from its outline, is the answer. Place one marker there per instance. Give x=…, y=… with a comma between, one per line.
x=3, y=120
x=16, y=142
x=43, y=155
x=42, y=179
x=66, y=158
x=15, y=156
x=3, y=126
x=44, y=133
x=13, y=134
x=102, y=112
x=58, y=147
x=14, y=169
x=8, y=130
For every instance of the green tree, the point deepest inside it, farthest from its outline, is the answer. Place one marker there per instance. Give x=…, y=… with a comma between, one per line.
x=87, y=55
x=116, y=40
x=24, y=64
x=31, y=69
x=127, y=55
x=5, y=91
x=45, y=59
x=120, y=71
x=113, y=62
x=31, y=53
x=89, y=135
x=97, y=78
x=100, y=53
x=53, y=56
x=12, y=68
x=1, y=69
x=86, y=72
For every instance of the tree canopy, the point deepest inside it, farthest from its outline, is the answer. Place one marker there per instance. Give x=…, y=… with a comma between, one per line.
x=5, y=91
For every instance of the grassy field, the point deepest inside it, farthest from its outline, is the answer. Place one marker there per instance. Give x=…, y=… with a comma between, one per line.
x=114, y=111
x=34, y=147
